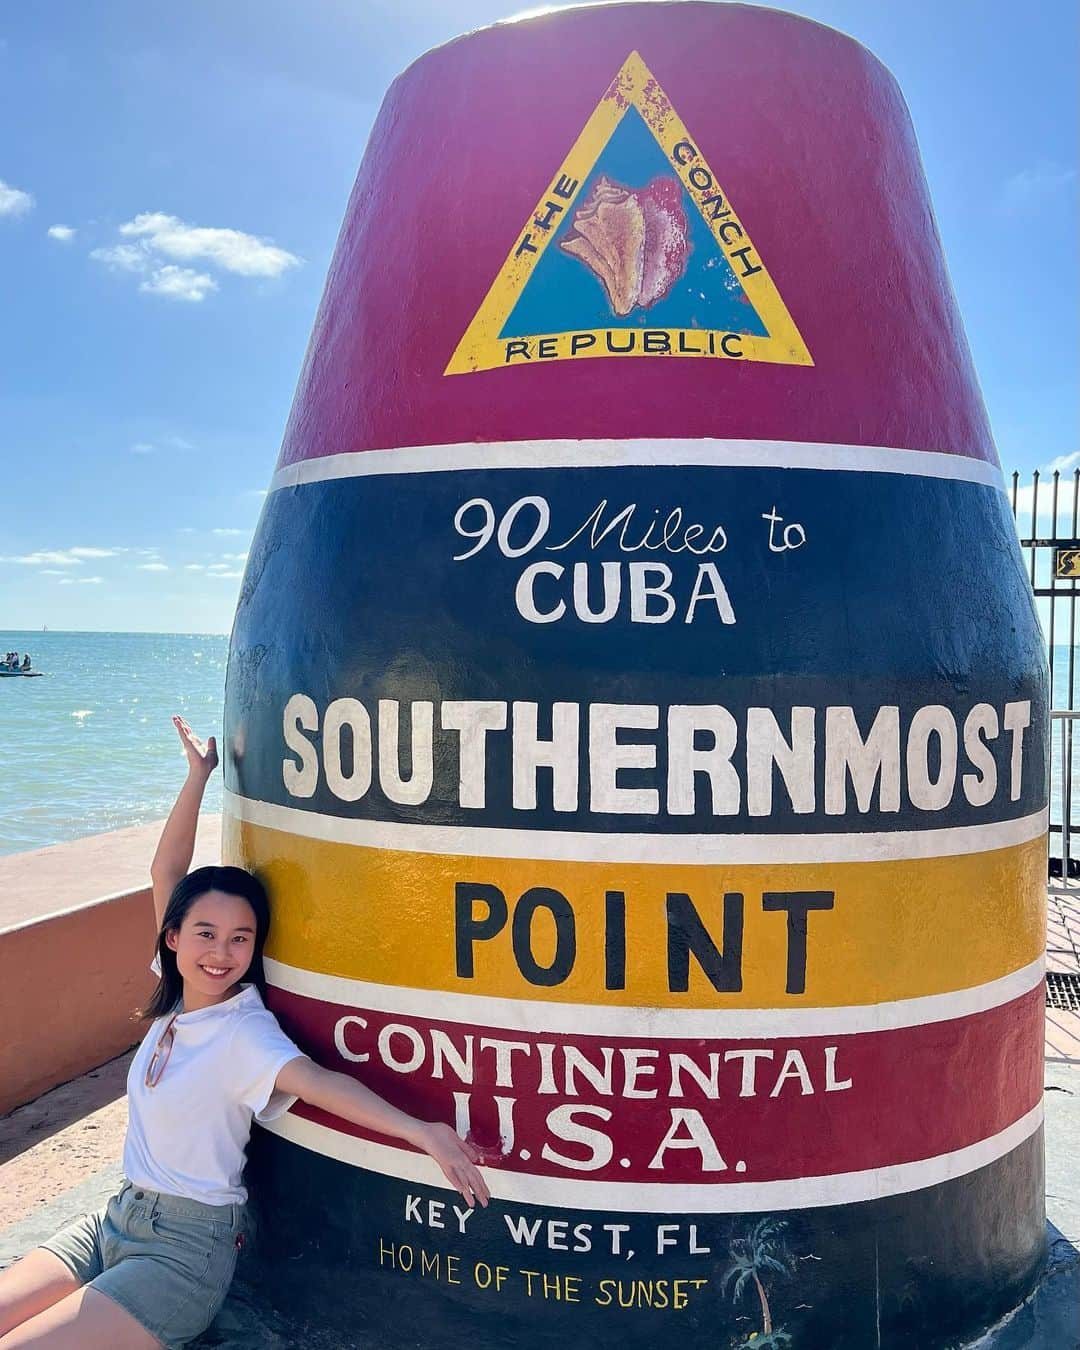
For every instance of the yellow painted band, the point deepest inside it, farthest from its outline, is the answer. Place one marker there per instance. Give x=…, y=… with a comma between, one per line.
x=897, y=930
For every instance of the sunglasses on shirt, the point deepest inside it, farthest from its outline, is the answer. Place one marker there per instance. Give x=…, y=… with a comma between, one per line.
x=160, y=1057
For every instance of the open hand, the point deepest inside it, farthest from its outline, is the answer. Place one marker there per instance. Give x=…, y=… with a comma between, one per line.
x=458, y=1159
x=202, y=757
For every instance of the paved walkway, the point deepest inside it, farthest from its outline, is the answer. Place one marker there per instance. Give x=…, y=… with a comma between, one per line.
x=1063, y=954
x=61, y=1140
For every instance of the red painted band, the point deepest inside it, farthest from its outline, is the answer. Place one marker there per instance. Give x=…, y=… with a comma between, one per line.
x=828, y=184
x=900, y=1107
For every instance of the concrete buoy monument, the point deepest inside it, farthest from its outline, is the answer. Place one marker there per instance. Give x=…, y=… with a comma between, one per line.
x=637, y=709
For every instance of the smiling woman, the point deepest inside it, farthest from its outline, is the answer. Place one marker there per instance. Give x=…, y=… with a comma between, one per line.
x=211, y=933
x=207, y=936
x=213, y=1061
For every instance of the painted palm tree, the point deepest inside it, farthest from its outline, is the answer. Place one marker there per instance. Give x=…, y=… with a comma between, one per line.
x=751, y=1257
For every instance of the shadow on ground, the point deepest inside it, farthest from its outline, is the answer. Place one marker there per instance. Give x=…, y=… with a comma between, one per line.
x=1050, y=1318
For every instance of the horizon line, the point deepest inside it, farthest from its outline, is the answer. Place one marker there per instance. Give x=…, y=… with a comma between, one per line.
x=118, y=632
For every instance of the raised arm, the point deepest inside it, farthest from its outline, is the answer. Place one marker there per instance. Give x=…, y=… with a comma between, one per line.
x=345, y=1097
x=177, y=844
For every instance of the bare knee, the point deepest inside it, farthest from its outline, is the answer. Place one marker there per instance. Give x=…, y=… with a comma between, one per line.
x=31, y=1285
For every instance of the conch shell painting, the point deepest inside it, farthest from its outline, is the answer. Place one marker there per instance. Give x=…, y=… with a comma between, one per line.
x=634, y=240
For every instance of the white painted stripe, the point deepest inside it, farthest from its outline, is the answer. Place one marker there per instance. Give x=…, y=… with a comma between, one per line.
x=567, y=454
x=513, y=1014
x=741, y=1197
x=472, y=841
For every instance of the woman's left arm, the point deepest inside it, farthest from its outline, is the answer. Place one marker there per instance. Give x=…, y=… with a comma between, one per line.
x=345, y=1097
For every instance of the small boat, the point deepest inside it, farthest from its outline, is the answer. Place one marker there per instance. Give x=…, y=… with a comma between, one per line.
x=23, y=674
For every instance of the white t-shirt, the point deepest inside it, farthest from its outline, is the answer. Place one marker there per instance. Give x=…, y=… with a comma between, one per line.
x=189, y=1134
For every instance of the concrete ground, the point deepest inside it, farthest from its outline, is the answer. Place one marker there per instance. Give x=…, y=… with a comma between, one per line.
x=62, y=1140
x=1063, y=954
x=60, y=1157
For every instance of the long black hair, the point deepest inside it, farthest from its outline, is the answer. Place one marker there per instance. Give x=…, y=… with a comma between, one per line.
x=232, y=881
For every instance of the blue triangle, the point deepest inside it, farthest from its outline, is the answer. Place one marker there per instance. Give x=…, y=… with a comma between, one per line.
x=563, y=294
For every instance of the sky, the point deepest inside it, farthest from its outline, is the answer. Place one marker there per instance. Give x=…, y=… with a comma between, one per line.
x=172, y=181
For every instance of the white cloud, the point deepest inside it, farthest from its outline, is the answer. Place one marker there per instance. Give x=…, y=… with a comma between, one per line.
x=50, y=572
x=13, y=201
x=152, y=567
x=194, y=567
x=176, y=283
x=235, y=557
x=162, y=241
x=57, y=557
x=1033, y=186
x=219, y=567
x=233, y=250
x=255, y=492
x=53, y=557
x=179, y=283
x=148, y=447
x=123, y=258
x=227, y=531
x=64, y=233
x=80, y=581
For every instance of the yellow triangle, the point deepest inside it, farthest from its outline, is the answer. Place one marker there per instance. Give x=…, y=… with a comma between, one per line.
x=481, y=348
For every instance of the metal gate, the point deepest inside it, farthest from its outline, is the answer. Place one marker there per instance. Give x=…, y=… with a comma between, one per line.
x=1046, y=515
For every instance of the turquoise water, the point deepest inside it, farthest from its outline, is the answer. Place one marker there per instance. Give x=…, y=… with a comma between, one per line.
x=90, y=747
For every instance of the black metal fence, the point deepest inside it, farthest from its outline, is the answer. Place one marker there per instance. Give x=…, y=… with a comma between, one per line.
x=1047, y=515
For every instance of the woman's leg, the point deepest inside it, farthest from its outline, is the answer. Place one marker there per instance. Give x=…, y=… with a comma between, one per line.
x=31, y=1285
x=84, y=1320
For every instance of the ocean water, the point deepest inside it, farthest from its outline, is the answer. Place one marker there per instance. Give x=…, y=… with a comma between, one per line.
x=90, y=746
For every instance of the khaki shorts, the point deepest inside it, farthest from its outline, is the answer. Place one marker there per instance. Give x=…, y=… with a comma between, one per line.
x=168, y=1261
